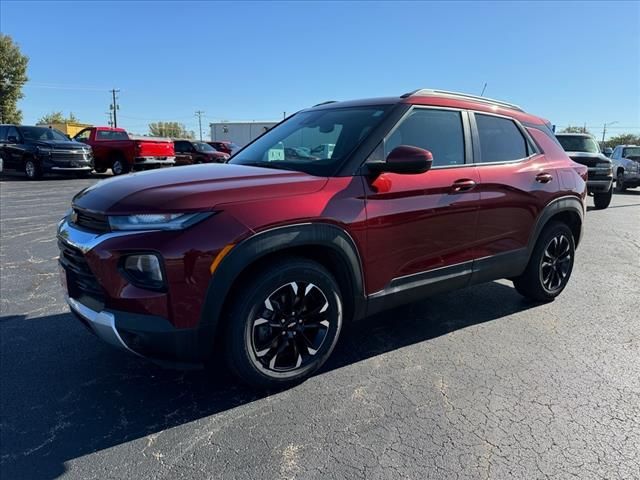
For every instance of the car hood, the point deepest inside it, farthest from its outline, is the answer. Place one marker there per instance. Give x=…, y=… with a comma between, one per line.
x=192, y=188
x=589, y=159
x=59, y=145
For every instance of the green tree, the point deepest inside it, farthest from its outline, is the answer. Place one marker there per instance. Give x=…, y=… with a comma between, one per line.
x=622, y=139
x=572, y=129
x=58, y=117
x=169, y=129
x=13, y=76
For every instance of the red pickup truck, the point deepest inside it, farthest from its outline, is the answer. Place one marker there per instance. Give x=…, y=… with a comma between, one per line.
x=114, y=148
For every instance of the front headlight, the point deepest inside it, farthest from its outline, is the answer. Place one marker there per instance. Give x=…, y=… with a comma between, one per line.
x=41, y=151
x=157, y=221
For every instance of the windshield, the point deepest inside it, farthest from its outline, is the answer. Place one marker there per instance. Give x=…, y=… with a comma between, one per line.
x=631, y=152
x=203, y=147
x=578, y=143
x=43, y=133
x=315, y=142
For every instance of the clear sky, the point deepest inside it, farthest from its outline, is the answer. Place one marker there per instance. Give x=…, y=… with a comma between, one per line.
x=573, y=63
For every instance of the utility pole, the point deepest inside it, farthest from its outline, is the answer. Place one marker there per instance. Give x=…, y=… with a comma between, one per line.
x=115, y=107
x=199, y=114
x=604, y=129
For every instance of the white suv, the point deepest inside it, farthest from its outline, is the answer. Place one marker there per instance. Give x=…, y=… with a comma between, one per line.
x=626, y=166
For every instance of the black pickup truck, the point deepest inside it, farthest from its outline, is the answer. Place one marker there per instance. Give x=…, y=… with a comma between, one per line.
x=584, y=149
x=39, y=150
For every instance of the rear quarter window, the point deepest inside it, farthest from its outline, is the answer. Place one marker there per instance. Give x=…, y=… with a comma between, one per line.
x=500, y=139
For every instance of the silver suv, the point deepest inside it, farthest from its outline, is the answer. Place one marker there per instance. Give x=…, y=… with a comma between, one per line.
x=626, y=166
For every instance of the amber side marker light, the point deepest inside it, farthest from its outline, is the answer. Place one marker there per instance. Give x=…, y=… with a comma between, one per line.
x=219, y=257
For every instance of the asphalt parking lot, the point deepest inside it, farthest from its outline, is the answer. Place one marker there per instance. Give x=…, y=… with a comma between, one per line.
x=477, y=383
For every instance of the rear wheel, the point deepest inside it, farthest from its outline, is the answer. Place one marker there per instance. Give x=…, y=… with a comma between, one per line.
x=550, y=265
x=99, y=170
x=602, y=200
x=32, y=169
x=119, y=166
x=620, y=182
x=284, y=324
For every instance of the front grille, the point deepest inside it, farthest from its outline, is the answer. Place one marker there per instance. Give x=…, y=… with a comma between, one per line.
x=69, y=158
x=81, y=281
x=96, y=222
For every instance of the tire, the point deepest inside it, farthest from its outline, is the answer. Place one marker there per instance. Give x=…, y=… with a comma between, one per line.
x=265, y=349
x=119, y=166
x=602, y=200
x=550, y=265
x=99, y=170
x=620, y=182
x=32, y=169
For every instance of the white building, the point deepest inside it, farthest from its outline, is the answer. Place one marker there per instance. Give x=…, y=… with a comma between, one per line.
x=240, y=133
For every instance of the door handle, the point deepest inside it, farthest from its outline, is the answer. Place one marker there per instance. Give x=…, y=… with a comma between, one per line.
x=463, y=185
x=544, y=177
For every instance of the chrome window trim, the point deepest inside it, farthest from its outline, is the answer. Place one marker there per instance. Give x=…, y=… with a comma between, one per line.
x=477, y=151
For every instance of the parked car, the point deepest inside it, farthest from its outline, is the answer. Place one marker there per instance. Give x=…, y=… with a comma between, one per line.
x=114, y=148
x=265, y=258
x=225, y=147
x=583, y=148
x=39, y=150
x=626, y=166
x=190, y=152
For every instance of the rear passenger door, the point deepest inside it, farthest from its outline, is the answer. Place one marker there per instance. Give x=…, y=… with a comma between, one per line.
x=515, y=184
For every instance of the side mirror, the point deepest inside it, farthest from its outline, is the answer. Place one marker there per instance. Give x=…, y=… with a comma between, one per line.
x=12, y=139
x=404, y=159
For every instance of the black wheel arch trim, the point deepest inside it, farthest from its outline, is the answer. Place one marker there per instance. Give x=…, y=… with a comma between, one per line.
x=276, y=239
x=563, y=204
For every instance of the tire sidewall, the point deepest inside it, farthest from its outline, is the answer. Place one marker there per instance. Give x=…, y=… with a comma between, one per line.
x=36, y=169
x=240, y=323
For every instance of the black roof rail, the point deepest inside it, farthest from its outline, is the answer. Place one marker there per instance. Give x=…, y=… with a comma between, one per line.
x=425, y=92
x=325, y=103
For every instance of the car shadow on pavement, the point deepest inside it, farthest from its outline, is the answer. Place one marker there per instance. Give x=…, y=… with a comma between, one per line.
x=61, y=402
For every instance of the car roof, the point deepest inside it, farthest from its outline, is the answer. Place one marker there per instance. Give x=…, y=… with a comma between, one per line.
x=440, y=98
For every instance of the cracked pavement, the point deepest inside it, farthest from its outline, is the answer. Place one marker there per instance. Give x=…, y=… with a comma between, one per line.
x=472, y=384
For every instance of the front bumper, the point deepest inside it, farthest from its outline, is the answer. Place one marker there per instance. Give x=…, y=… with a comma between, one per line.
x=599, y=186
x=143, y=335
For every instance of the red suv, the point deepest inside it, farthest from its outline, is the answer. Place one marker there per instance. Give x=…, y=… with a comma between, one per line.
x=266, y=257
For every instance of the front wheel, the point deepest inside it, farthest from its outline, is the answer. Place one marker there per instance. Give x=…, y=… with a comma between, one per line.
x=620, y=182
x=550, y=265
x=284, y=324
x=32, y=169
x=602, y=200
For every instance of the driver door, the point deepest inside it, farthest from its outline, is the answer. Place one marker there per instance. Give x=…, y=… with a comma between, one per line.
x=421, y=228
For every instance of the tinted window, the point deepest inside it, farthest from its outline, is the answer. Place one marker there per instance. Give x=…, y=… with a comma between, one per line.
x=439, y=131
x=578, y=143
x=13, y=132
x=111, y=135
x=203, y=147
x=41, y=133
x=500, y=139
x=316, y=141
x=3, y=133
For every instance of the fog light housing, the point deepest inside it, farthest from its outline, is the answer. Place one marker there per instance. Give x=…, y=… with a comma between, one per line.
x=144, y=270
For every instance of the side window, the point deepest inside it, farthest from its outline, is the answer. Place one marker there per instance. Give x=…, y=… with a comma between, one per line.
x=13, y=132
x=439, y=131
x=3, y=133
x=83, y=136
x=177, y=146
x=500, y=139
